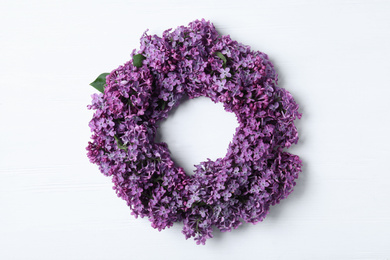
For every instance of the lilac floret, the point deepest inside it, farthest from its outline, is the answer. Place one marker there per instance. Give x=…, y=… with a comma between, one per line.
x=195, y=61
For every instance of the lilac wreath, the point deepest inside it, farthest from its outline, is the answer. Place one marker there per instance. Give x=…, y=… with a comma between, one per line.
x=195, y=61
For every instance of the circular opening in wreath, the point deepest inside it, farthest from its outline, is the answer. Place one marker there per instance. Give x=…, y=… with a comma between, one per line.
x=196, y=130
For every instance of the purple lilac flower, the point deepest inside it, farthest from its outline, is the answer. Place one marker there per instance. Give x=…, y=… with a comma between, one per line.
x=256, y=171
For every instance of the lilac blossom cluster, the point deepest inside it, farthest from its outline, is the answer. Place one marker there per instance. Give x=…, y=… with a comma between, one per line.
x=196, y=61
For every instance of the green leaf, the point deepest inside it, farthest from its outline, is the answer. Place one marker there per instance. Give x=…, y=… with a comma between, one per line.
x=138, y=59
x=162, y=104
x=120, y=144
x=223, y=58
x=100, y=82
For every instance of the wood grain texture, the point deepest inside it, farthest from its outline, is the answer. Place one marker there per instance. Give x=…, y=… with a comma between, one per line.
x=333, y=56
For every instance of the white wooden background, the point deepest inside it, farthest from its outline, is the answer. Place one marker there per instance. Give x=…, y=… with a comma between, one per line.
x=333, y=56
